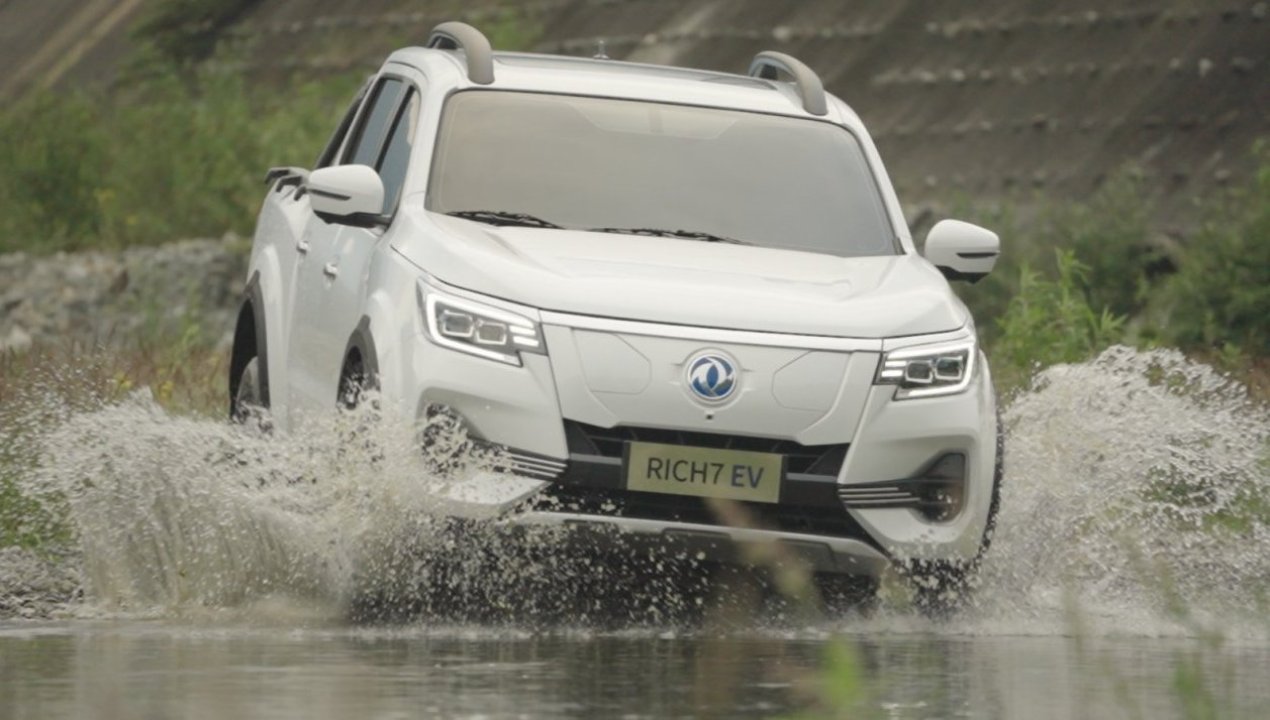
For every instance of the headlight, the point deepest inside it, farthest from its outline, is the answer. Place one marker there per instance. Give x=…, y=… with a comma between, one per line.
x=478, y=329
x=928, y=370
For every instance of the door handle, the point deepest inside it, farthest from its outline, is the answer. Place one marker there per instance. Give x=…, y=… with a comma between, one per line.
x=302, y=247
x=330, y=270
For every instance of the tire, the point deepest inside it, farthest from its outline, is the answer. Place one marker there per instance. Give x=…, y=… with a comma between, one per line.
x=249, y=406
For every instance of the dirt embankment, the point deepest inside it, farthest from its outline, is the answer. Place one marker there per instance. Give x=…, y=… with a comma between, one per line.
x=990, y=100
x=104, y=296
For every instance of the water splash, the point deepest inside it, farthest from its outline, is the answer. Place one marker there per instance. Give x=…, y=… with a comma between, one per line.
x=169, y=510
x=1136, y=485
x=175, y=514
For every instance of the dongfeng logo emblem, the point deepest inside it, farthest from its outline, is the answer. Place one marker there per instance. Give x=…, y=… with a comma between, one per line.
x=712, y=377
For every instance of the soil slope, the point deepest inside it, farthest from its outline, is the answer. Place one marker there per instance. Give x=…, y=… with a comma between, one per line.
x=968, y=101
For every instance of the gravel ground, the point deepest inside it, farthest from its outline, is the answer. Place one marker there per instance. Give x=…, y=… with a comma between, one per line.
x=101, y=297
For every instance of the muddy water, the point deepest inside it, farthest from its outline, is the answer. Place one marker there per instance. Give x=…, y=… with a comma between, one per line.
x=223, y=574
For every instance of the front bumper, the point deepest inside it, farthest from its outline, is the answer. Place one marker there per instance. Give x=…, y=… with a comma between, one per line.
x=712, y=543
x=828, y=512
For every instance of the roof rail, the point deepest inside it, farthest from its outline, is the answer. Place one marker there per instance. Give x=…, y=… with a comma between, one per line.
x=461, y=36
x=768, y=65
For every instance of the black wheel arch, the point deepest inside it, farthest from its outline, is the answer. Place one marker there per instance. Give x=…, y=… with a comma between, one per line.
x=250, y=340
x=361, y=357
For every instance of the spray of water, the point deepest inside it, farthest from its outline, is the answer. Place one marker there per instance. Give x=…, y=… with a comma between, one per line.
x=170, y=511
x=1137, y=484
x=1137, y=496
x=354, y=515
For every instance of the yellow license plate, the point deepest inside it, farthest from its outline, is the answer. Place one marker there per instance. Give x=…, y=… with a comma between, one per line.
x=704, y=472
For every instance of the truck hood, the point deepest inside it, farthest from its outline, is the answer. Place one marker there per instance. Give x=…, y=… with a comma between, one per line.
x=686, y=282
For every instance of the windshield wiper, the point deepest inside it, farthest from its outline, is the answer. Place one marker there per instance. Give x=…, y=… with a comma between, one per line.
x=501, y=218
x=686, y=234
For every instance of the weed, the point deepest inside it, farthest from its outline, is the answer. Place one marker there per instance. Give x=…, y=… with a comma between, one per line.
x=1051, y=321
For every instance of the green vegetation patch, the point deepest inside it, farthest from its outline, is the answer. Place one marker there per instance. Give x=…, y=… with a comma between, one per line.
x=185, y=32
x=1077, y=278
x=174, y=157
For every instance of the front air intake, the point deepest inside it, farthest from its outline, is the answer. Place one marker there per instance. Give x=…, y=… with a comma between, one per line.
x=938, y=493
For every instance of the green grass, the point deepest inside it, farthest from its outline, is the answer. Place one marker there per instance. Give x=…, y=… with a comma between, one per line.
x=171, y=158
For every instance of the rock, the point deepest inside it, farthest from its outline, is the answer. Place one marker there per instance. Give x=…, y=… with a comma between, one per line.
x=93, y=295
x=120, y=283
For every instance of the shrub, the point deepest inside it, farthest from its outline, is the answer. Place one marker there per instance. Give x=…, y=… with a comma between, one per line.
x=53, y=157
x=1110, y=234
x=1220, y=297
x=1051, y=321
x=1107, y=283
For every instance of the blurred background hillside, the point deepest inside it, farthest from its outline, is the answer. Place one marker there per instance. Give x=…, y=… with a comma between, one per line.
x=1116, y=146
x=1004, y=99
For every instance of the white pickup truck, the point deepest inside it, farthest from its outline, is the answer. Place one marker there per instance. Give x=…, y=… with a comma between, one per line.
x=651, y=288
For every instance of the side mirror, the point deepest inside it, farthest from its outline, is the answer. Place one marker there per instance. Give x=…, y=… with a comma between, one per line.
x=347, y=195
x=962, y=251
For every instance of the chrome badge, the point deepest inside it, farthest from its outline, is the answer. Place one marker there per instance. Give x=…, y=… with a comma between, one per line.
x=712, y=377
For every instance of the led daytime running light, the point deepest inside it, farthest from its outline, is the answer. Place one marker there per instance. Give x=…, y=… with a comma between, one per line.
x=478, y=329
x=928, y=370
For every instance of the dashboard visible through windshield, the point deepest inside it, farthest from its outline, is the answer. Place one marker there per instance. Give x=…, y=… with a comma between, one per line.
x=592, y=163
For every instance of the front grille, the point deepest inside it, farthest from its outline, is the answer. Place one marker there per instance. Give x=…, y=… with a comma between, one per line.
x=821, y=460
x=829, y=519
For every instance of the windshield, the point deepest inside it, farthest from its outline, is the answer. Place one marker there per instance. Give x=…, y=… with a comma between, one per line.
x=596, y=163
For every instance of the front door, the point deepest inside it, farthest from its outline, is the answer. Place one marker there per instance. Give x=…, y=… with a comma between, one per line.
x=314, y=352
x=334, y=293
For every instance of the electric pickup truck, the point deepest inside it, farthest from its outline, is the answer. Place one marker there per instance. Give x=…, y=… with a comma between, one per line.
x=654, y=290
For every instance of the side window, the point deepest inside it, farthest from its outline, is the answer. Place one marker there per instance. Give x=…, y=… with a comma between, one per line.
x=395, y=158
x=369, y=136
x=327, y=157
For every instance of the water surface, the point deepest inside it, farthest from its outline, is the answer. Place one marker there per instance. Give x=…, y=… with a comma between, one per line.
x=163, y=669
